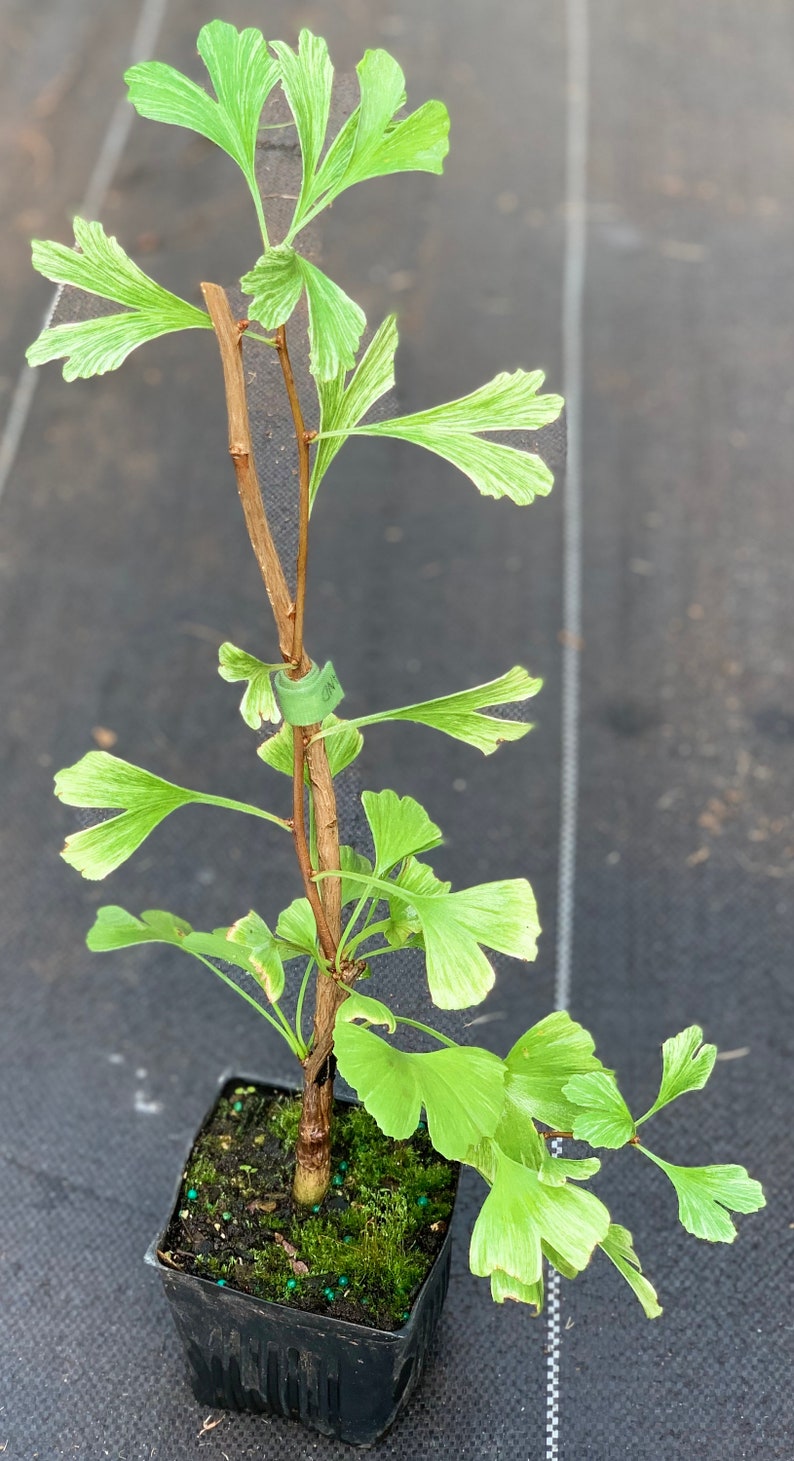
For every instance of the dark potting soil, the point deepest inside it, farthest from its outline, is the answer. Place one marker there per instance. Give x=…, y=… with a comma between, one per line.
x=361, y=1255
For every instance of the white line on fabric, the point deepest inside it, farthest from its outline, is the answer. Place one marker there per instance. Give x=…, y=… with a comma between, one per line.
x=573, y=296
x=150, y=20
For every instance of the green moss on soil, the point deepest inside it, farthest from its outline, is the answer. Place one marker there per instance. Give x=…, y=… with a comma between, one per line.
x=362, y=1257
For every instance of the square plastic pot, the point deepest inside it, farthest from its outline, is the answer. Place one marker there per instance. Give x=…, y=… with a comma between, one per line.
x=344, y=1380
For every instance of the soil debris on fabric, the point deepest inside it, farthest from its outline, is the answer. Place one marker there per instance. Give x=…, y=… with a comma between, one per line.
x=360, y=1255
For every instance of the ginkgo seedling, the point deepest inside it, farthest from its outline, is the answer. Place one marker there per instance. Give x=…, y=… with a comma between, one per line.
x=358, y=905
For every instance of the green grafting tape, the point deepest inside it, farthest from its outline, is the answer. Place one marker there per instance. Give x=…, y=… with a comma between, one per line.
x=310, y=699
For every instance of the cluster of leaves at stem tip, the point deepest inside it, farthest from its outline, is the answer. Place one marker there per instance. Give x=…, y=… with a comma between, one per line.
x=495, y=1114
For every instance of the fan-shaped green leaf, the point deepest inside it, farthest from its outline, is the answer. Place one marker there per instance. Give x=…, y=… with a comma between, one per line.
x=686, y=1066
x=543, y=1060
x=604, y=1118
x=92, y=347
x=297, y=929
x=707, y=1195
x=521, y=1214
x=307, y=78
x=460, y=715
x=242, y=74
x=372, y=143
x=619, y=1247
x=259, y=702
x=507, y=403
x=400, y=827
x=460, y=1088
x=253, y=938
x=336, y=323
x=102, y=780
x=343, y=747
x=342, y=407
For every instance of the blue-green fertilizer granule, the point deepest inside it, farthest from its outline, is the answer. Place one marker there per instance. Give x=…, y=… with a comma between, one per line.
x=221, y=1282
x=330, y=1295
x=422, y=1201
x=343, y=1166
x=348, y=1238
x=343, y=1281
x=238, y=1106
x=192, y=1194
x=337, y=1181
x=292, y=1283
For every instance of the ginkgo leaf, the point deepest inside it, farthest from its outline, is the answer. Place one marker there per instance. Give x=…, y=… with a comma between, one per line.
x=460, y=1087
x=502, y=916
x=114, y=928
x=372, y=143
x=242, y=74
x=354, y=862
x=336, y=323
x=261, y=948
x=297, y=929
x=275, y=284
x=404, y=922
x=543, y=1060
x=460, y=715
x=556, y=1170
x=343, y=747
x=619, y=1247
x=343, y=406
x=605, y=1119
x=507, y=403
x=707, y=1195
x=307, y=78
x=504, y=1286
x=92, y=347
x=686, y=1066
x=102, y=780
x=259, y=702
x=372, y=1011
x=521, y=1214
x=400, y=827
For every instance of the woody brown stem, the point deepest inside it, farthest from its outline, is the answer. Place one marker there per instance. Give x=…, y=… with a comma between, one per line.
x=314, y=1140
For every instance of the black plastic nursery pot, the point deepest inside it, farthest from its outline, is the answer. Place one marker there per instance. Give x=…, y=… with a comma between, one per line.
x=345, y=1380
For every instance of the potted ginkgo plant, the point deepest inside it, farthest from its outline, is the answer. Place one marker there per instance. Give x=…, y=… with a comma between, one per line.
x=307, y=1253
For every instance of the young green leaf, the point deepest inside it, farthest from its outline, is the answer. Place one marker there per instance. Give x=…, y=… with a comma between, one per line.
x=459, y=715
x=92, y=347
x=354, y=862
x=404, y=922
x=541, y=1062
x=297, y=929
x=342, y=407
x=619, y=1247
x=460, y=1087
x=372, y=143
x=521, y=1214
x=605, y=1119
x=242, y=74
x=261, y=949
x=373, y=1011
x=114, y=928
x=707, y=1195
x=557, y=1170
x=686, y=1066
x=517, y=1135
x=307, y=78
x=502, y=916
x=504, y=1286
x=400, y=827
x=336, y=323
x=259, y=702
x=102, y=780
x=507, y=403
x=343, y=746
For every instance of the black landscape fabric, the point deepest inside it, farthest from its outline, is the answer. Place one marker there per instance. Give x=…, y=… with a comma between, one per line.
x=124, y=564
